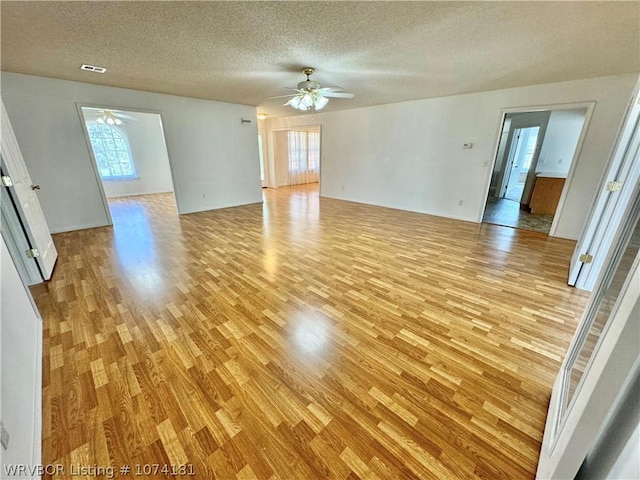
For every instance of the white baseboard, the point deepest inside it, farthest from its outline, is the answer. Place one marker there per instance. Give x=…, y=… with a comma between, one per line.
x=79, y=227
x=423, y=212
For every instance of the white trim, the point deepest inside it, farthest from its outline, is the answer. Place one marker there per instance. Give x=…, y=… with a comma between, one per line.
x=82, y=226
x=403, y=209
x=135, y=194
x=229, y=205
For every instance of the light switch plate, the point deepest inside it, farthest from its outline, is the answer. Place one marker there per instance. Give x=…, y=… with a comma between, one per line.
x=467, y=145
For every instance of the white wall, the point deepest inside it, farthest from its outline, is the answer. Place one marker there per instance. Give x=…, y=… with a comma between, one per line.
x=560, y=141
x=20, y=368
x=410, y=156
x=214, y=159
x=150, y=157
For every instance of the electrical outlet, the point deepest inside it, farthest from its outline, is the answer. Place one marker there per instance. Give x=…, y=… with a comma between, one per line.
x=460, y=203
x=560, y=160
x=4, y=437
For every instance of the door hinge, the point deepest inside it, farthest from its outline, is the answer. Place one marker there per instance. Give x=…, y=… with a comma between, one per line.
x=585, y=258
x=614, y=186
x=32, y=253
x=6, y=181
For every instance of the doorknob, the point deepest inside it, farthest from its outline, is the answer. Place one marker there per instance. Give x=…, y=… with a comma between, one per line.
x=35, y=187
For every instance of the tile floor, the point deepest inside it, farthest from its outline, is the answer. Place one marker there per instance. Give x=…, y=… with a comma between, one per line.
x=502, y=211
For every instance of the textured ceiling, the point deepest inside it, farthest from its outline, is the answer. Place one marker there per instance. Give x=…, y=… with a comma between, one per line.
x=383, y=52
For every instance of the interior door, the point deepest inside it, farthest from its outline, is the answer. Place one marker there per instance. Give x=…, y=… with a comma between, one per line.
x=26, y=202
x=526, y=149
x=16, y=240
x=514, y=146
x=620, y=178
x=602, y=360
x=522, y=120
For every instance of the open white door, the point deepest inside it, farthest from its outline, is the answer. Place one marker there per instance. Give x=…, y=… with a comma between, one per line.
x=18, y=182
x=604, y=356
x=616, y=189
x=17, y=242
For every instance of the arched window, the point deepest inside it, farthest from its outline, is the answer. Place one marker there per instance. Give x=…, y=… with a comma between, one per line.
x=112, y=151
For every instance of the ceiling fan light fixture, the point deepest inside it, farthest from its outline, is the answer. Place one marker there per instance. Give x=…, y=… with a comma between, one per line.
x=310, y=96
x=108, y=118
x=296, y=102
x=320, y=102
x=307, y=99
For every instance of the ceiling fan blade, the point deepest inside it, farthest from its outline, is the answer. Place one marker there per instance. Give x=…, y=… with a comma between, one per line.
x=330, y=89
x=280, y=96
x=125, y=116
x=337, y=95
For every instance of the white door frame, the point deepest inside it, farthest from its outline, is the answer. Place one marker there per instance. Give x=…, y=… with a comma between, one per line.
x=94, y=163
x=605, y=211
x=589, y=105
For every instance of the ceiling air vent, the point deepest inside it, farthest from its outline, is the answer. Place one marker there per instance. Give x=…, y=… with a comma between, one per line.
x=92, y=68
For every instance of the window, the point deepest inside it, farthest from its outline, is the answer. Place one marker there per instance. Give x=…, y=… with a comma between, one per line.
x=303, y=156
x=297, y=151
x=314, y=150
x=111, y=149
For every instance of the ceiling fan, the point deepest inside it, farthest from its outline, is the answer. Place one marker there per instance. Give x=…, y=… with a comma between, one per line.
x=309, y=95
x=109, y=117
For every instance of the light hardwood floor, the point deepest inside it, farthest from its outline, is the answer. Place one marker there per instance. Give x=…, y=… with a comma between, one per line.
x=303, y=338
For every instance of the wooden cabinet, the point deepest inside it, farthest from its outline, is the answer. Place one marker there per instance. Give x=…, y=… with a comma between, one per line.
x=546, y=195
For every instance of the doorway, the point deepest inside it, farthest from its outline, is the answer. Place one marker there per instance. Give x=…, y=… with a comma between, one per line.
x=533, y=161
x=297, y=154
x=523, y=148
x=129, y=155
